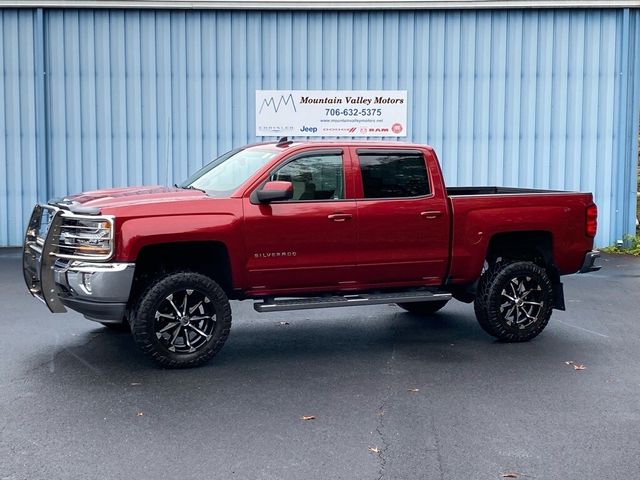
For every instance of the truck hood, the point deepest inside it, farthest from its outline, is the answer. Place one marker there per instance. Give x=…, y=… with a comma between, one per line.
x=129, y=196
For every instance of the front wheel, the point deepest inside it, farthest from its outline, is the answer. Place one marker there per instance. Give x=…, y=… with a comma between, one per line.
x=514, y=301
x=182, y=320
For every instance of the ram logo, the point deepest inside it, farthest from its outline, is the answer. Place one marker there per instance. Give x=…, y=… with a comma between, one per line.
x=284, y=100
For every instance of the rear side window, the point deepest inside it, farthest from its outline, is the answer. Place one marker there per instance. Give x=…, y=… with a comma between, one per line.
x=393, y=175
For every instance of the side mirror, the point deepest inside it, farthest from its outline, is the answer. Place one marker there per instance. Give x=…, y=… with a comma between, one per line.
x=275, y=191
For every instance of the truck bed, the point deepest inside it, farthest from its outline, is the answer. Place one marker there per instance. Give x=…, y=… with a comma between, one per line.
x=480, y=213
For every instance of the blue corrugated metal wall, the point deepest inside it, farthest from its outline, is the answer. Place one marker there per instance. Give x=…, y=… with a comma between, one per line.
x=536, y=98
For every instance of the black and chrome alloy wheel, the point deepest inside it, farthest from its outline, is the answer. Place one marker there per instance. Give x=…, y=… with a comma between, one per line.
x=185, y=321
x=522, y=302
x=182, y=319
x=514, y=301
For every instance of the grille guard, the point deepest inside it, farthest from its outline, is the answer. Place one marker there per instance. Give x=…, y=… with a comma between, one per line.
x=38, y=257
x=41, y=249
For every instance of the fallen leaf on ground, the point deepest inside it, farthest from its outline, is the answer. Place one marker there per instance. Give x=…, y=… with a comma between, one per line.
x=413, y=390
x=307, y=417
x=576, y=366
x=140, y=414
x=374, y=449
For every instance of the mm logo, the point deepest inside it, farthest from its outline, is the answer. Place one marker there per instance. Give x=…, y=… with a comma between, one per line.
x=284, y=100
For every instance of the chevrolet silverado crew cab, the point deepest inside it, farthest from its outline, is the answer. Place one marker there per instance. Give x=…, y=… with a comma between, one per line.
x=297, y=225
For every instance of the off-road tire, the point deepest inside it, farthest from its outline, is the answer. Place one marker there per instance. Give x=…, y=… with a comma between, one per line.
x=155, y=296
x=492, y=304
x=423, y=308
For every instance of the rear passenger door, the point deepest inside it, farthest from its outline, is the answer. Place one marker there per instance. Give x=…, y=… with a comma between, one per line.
x=403, y=231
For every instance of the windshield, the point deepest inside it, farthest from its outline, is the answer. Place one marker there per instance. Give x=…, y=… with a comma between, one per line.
x=226, y=173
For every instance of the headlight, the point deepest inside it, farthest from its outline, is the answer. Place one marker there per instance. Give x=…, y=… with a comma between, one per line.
x=86, y=237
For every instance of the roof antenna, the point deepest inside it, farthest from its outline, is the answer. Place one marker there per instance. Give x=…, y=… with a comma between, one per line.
x=284, y=142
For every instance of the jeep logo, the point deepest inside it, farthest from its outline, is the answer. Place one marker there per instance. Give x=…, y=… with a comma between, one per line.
x=309, y=129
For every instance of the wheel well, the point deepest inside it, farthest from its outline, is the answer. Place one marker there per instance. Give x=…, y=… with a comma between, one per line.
x=534, y=246
x=208, y=258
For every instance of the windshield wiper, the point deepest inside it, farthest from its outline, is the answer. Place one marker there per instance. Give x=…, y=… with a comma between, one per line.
x=189, y=187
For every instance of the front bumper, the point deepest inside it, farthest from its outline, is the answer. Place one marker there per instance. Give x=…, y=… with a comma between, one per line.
x=589, y=261
x=98, y=290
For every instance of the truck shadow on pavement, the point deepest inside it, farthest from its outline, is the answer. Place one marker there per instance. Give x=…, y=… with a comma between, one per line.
x=311, y=344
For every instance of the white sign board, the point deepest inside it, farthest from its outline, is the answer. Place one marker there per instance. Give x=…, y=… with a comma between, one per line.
x=331, y=113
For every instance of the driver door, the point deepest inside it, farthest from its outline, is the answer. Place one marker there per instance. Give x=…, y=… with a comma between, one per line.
x=308, y=242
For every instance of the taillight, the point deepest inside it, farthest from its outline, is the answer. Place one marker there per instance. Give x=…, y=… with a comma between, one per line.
x=591, y=227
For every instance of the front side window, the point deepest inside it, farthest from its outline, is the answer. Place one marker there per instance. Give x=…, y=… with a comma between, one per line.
x=318, y=177
x=394, y=175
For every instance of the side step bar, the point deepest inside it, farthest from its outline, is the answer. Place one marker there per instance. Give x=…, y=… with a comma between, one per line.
x=274, y=305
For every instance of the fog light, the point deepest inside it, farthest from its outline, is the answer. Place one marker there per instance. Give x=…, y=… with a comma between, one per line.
x=86, y=281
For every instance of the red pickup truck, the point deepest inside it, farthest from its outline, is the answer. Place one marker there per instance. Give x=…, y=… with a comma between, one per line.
x=297, y=225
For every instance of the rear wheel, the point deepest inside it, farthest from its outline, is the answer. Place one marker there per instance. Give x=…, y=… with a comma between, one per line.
x=182, y=320
x=423, y=308
x=514, y=301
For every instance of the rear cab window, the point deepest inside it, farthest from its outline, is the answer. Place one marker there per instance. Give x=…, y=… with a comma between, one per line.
x=393, y=174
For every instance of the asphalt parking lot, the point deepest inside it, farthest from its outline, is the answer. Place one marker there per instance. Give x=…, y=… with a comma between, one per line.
x=394, y=396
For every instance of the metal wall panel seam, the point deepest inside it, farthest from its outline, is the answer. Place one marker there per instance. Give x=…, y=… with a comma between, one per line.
x=514, y=49
x=617, y=170
x=607, y=81
x=5, y=219
x=464, y=165
x=559, y=92
x=576, y=62
x=589, y=110
x=134, y=98
x=622, y=125
x=451, y=149
x=496, y=100
x=15, y=104
x=74, y=115
x=40, y=106
x=26, y=172
x=631, y=123
x=194, y=91
x=542, y=170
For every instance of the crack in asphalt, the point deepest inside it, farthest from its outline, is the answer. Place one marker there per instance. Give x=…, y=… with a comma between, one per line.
x=385, y=443
x=381, y=412
x=437, y=448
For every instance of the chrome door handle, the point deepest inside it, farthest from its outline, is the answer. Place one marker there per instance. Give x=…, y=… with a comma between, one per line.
x=431, y=214
x=340, y=217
